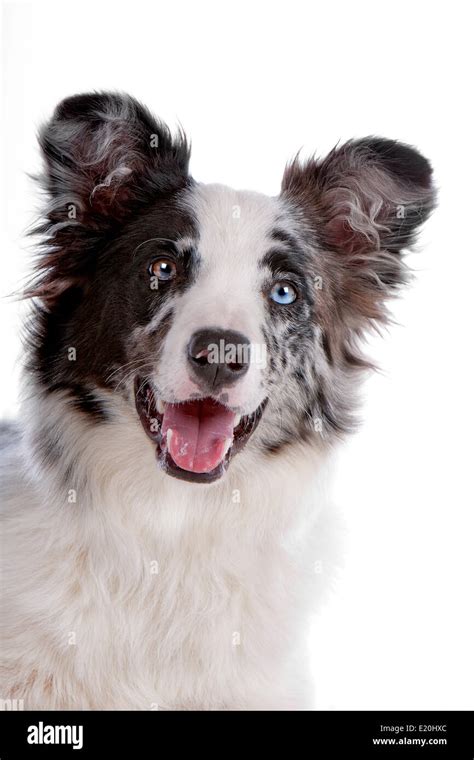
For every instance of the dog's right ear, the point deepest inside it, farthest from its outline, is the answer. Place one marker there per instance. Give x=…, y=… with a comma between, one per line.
x=105, y=157
x=105, y=154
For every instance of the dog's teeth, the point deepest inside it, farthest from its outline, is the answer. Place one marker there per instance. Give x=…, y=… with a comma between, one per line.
x=228, y=444
x=237, y=419
x=169, y=433
x=160, y=406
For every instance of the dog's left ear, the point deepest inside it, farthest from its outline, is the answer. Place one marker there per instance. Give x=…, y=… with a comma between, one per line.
x=364, y=202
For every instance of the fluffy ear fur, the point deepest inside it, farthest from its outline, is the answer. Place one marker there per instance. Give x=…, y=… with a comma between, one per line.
x=105, y=156
x=364, y=203
x=106, y=153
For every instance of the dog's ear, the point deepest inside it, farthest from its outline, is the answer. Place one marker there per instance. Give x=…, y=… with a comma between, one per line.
x=105, y=154
x=364, y=203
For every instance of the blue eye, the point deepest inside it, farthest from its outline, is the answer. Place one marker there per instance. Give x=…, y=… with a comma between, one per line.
x=283, y=293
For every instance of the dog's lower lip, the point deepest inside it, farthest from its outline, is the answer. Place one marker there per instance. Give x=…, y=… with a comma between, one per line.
x=167, y=463
x=152, y=423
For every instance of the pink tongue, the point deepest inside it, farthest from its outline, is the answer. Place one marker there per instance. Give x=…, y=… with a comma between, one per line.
x=201, y=431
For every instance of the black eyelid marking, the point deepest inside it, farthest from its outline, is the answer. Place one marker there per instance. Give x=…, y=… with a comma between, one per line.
x=281, y=262
x=169, y=247
x=285, y=278
x=166, y=243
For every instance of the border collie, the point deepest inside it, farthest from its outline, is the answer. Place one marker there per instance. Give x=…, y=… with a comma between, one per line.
x=193, y=355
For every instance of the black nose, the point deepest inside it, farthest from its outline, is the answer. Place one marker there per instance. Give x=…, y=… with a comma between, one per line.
x=218, y=358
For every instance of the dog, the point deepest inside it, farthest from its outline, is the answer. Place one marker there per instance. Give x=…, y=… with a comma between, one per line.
x=193, y=358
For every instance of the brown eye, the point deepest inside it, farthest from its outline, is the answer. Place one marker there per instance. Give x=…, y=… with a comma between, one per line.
x=163, y=269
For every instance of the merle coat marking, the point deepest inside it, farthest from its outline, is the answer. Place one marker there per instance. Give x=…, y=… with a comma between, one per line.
x=124, y=587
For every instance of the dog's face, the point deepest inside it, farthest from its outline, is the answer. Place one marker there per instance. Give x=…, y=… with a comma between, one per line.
x=221, y=316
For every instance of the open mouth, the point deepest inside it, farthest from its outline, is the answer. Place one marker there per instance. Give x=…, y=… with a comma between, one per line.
x=196, y=439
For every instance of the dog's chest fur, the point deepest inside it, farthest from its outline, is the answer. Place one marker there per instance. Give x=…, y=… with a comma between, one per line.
x=138, y=591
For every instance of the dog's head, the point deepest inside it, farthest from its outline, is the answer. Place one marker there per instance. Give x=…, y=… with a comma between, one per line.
x=212, y=310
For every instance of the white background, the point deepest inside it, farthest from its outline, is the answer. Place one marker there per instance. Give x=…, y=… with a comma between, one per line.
x=252, y=82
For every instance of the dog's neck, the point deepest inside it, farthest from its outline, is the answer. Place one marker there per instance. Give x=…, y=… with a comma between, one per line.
x=108, y=471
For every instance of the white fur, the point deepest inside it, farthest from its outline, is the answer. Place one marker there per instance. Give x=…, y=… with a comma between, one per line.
x=220, y=625
x=126, y=588
x=234, y=229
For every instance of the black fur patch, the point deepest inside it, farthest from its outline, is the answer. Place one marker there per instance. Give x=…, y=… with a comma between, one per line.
x=123, y=173
x=325, y=342
x=88, y=402
x=280, y=235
